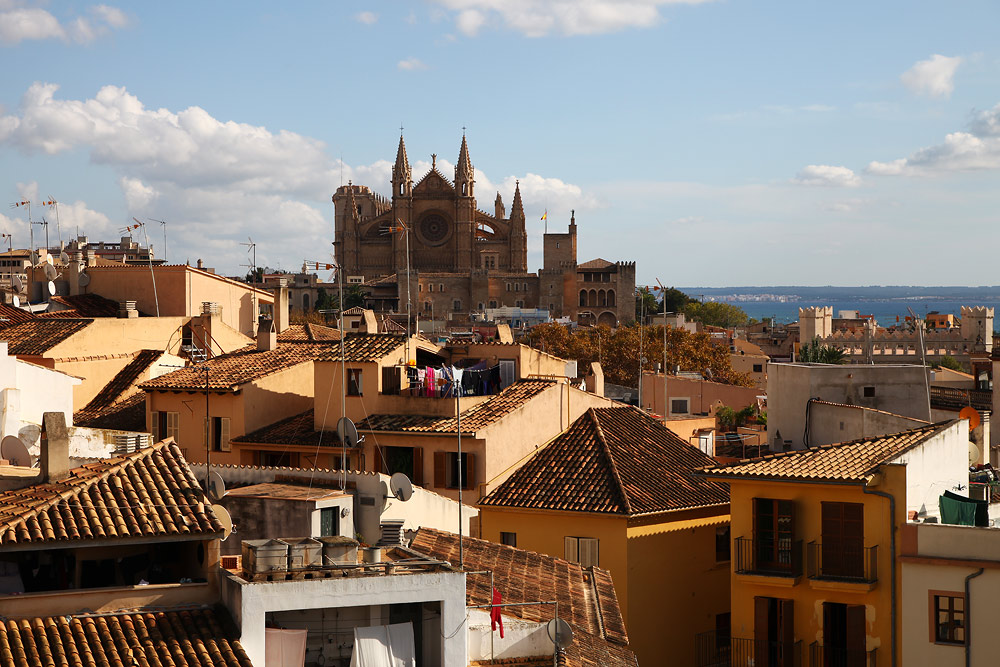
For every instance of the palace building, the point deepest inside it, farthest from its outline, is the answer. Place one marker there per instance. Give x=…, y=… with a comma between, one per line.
x=462, y=259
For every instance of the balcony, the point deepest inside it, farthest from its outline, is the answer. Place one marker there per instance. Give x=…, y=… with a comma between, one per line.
x=843, y=561
x=718, y=650
x=829, y=656
x=768, y=557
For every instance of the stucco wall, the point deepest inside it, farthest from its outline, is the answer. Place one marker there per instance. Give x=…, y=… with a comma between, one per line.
x=703, y=396
x=27, y=391
x=829, y=424
x=940, y=464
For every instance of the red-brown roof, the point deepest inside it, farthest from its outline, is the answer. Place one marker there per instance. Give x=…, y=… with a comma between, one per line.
x=38, y=336
x=596, y=264
x=477, y=417
x=13, y=315
x=586, y=596
x=616, y=461
x=123, y=384
x=296, y=430
x=361, y=347
x=149, y=493
x=126, y=414
x=308, y=333
x=83, y=305
x=193, y=637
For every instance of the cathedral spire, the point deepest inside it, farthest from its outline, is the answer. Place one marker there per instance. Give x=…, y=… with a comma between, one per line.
x=402, y=179
x=517, y=208
x=464, y=171
x=351, y=204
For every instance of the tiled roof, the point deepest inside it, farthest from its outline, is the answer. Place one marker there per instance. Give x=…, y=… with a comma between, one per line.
x=127, y=414
x=296, y=430
x=13, y=315
x=948, y=398
x=477, y=417
x=359, y=347
x=193, y=637
x=382, y=280
x=38, y=336
x=308, y=333
x=586, y=596
x=123, y=384
x=389, y=325
x=356, y=310
x=83, y=305
x=596, y=264
x=851, y=461
x=149, y=493
x=616, y=461
x=227, y=372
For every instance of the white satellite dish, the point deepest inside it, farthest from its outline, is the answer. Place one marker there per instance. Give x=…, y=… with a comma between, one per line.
x=16, y=300
x=12, y=449
x=347, y=432
x=16, y=283
x=400, y=486
x=974, y=453
x=29, y=434
x=48, y=259
x=63, y=257
x=225, y=519
x=216, y=486
x=84, y=279
x=50, y=271
x=559, y=632
x=52, y=288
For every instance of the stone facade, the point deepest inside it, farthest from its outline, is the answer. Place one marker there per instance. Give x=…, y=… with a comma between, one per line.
x=462, y=259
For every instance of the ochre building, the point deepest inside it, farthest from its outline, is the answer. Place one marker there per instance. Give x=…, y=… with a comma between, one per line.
x=463, y=259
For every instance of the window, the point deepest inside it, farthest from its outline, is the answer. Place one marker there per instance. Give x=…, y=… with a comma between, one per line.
x=329, y=521
x=678, y=406
x=947, y=617
x=217, y=434
x=557, y=245
x=427, y=305
x=440, y=287
x=519, y=303
x=354, y=382
x=446, y=470
x=431, y=287
x=407, y=460
x=508, y=287
x=582, y=550
x=869, y=392
x=517, y=287
x=493, y=303
x=164, y=425
x=456, y=304
x=420, y=288
x=722, y=548
x=277, y=459
x=758, y=368
x=510, y=539
x=774, y=531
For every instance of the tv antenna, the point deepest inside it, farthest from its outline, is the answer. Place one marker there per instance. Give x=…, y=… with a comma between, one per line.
x=919, y=325
x=163, y=225
x=252, y=251
x=149, y=255
x=10, y=241
x=52, y=203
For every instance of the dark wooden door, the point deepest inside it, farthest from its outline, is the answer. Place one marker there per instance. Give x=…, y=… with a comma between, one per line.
x=843, y=535
x=774, y=528
x=774, y=632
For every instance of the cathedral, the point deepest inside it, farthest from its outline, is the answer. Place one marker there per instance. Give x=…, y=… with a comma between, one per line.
x=462, y=259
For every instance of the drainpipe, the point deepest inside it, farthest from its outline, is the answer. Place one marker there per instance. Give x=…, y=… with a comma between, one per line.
x=968, y=618
x=892, y=566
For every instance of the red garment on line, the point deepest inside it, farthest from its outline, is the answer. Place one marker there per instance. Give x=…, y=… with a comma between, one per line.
x=495, y=618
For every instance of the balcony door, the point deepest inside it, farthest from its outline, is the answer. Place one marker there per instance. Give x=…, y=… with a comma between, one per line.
x=844, y=643
x=843, y=540
x=774, y=529
x=773, y=632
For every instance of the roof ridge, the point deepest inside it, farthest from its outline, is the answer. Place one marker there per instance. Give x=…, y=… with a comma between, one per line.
x=611, y=460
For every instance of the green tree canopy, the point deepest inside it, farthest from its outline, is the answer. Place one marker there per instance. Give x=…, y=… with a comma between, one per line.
x=673, y=300
x=817, y=353
x=717, y=314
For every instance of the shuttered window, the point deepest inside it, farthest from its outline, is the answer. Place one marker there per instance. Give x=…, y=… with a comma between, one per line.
x=582, y=550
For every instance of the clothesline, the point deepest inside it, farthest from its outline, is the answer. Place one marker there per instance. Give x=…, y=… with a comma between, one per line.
x=441, y=382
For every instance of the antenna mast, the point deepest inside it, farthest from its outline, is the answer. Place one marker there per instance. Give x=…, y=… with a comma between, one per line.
x=128, y=230
x=252, y=250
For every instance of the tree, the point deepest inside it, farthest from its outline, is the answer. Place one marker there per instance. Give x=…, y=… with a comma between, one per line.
x=645, y=303
x=254, y=276
x=717, y=314
x=948, y=361
x=673, y=300
x=817, y=353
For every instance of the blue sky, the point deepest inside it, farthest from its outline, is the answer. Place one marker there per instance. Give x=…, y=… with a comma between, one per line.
x=715, y=143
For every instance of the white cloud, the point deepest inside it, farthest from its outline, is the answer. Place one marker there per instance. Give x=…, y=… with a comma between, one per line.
x=411, y=64
x=536, y=18
x=138, y=195
x=934, y=77
x=19, y=24
x=827, y=175
x=367, y=18
x=977, y=149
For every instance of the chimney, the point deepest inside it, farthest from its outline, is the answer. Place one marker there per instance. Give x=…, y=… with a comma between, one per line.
x=73, y=272
x=126, y=310
x=281, y=307
x=53, y=459
x=267, y=337
x=201, y=264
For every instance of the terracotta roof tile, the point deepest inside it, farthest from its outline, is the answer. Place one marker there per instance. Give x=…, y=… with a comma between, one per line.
x=308, y=333
x=13, y=315
x=477, y=417
x=38, y=336
x=127, y=414
x=296, y=430
x=227, y=372
x=586, y=596
x=616, y=461
x=360, y=347
x=123, y=384
x=83, y=305
x=149, y=493
x=596, y=264
x=193, y=637
x=851, y=461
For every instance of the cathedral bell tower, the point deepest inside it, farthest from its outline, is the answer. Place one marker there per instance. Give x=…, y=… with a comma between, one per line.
x=518, y=234
x=402, y=203
x=465, y=210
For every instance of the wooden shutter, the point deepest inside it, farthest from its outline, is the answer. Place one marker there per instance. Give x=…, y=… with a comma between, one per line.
x=786, y=625
x=470, y=471
x=155, y=425
x=856, y=631
x=572, y=549
x=224, y=444
x=173, y=424
x=440, y=469
x=379, y=460
x=589, y=551
x=761, y=629
x=418, y=466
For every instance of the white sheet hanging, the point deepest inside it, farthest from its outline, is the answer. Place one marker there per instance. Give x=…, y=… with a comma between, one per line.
x=284, y=648
x=384, y=646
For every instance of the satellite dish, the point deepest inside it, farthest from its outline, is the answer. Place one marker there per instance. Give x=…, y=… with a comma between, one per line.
x=50, y=271
x=29, y=434
x=84, y=279
x=12, y=449
x=16, y=300
x=347, y=432
x=216, y=486
x=974, y=454
x=52, y=288
x=227, y=521
x=16, y=284
x=48, y=259
x=63, y=257
x=559, y=632
x=970, y=413
x=400, y=486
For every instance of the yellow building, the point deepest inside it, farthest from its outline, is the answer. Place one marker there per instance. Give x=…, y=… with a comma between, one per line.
x=815, y=571
x=617, y=490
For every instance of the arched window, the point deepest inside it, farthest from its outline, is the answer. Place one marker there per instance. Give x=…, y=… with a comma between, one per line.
x=525, y=287
x=427, y=305
x=305, y=301
x=517, y=287
x=611, y=297
x=583, y=297
x=420, y=288
x=508, y=287
x=440, y=287
x=402, y=188
x=431, y=287
x=592, y=298
x=602, y=298
x=493, y=304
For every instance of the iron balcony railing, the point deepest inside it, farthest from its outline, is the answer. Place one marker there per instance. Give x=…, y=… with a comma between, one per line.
x=843, y=561
x=715, y=649
x=771, y=557
x=833, y=656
